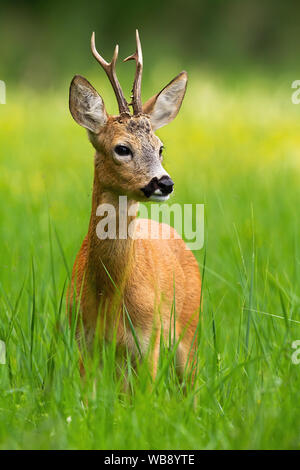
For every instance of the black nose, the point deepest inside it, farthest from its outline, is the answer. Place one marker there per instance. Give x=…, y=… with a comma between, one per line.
x=165, y=184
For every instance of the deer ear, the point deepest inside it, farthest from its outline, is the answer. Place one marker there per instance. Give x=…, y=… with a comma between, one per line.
x=164, y=106
x=86, y=105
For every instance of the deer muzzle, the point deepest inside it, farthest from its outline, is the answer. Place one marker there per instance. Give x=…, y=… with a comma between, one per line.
x=159, y=189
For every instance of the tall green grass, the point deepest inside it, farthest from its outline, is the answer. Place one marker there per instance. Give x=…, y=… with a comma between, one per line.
x=235, y=148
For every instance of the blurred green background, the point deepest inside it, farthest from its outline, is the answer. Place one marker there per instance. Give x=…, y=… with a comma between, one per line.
x=44, y=42
x=235, y=146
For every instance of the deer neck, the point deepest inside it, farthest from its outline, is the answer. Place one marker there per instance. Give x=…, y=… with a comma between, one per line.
x=109, y=260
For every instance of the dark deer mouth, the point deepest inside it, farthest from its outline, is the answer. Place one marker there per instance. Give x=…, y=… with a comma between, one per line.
x=159, y=189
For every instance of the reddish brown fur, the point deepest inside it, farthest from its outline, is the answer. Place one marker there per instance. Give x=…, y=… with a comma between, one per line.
x=148, y=276
x=144, y=271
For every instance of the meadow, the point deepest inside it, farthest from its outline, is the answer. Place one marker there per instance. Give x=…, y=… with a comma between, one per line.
x=235, y=147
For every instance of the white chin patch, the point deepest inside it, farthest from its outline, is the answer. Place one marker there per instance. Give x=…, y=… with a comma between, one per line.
x=159, y=197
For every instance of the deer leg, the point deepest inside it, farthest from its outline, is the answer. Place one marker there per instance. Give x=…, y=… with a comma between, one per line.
x=154, y=356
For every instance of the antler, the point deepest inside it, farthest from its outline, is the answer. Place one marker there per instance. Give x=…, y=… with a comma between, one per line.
x=110, y=69
x=137, y=84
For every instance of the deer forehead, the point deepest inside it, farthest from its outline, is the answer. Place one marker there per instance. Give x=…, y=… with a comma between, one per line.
x=135, y=130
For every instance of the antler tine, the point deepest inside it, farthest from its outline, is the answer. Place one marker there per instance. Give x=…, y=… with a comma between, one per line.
x=110, y=69
x=137, y=84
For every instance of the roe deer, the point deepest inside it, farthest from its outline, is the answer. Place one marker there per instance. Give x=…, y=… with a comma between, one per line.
x=149, y=274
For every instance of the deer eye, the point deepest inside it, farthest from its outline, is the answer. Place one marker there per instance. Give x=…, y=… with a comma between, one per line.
x=161, y=150
x=122, y=151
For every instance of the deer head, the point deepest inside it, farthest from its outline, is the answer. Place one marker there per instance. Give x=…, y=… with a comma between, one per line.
x=128, y=154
